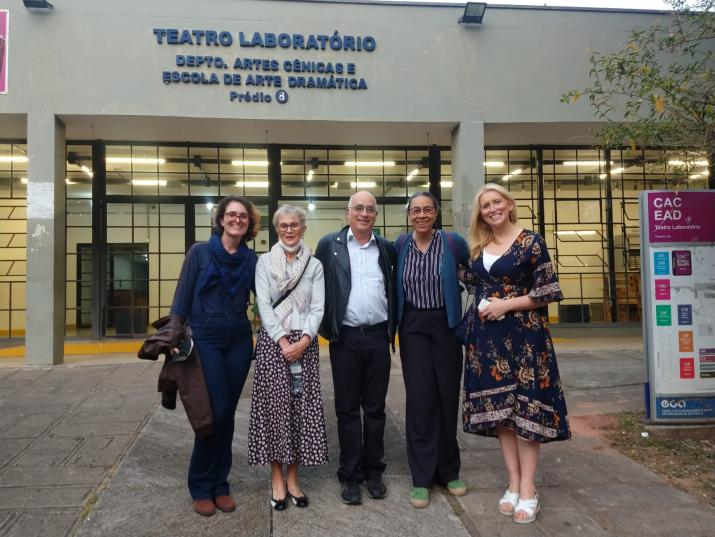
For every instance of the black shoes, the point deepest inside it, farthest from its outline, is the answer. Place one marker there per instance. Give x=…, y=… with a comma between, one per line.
x=350, y=494
x=279, y=505
x=376, y=488
x=298, y=501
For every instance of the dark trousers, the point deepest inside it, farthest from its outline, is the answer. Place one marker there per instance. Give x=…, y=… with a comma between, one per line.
x=225, y=349
x=361, y=372
x=432, y=369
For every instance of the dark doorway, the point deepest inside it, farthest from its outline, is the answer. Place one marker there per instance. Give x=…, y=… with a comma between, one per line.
x=127, y=289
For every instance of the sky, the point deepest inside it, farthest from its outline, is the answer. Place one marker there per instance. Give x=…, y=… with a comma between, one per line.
x=623, y=4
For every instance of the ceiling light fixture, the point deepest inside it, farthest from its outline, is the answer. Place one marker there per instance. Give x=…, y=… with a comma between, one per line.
x=134, y=160
x=375, y=163
x=252, y=184
x=249, y=162
x=363, y=184
x=149, y=182
x=13, y=159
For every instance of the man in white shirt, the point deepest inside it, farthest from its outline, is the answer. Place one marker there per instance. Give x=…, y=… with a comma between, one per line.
x=359, y=322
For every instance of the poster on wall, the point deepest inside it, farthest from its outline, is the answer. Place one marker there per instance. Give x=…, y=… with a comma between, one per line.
x=678, y=279
x=4, y=30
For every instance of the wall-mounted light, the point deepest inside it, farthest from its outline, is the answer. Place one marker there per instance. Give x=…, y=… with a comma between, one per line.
x=473, y=13
x=37, y=4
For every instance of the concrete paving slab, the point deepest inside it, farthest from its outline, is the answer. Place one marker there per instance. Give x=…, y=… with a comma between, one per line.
x=99, y=451
x=62, y=429
x=49, y=523
x=28, y=426
x=43, y=497
x=62, y=475
x=11, y=447
x=47, y=452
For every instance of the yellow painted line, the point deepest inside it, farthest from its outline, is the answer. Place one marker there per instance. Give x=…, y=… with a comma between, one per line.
x=83, y=348
x=129, y=346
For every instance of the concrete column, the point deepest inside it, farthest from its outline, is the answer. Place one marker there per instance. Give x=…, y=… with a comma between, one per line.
x=467, y=170
x=45, y=312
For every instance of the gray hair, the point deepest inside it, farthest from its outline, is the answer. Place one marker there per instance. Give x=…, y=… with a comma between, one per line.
x=289, y=210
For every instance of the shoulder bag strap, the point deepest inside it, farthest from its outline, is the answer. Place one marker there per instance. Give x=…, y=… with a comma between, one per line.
x=289, y=291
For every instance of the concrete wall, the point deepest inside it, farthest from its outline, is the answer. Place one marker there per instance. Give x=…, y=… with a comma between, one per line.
x=101, y=58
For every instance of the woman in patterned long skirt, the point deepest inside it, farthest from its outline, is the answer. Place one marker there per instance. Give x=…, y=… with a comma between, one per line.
x=512, y=388
x=287, y=425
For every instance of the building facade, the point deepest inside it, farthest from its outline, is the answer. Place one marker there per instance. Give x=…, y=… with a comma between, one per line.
x=123, y=124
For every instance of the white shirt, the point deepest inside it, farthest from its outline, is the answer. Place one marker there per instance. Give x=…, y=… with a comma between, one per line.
x=488, y=259
x=367, y=303
x=313, y=286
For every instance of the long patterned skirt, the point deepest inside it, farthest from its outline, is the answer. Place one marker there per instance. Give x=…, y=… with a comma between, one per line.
x=283, y=427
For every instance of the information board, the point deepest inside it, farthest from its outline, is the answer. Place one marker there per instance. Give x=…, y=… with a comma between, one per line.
x=678, y=290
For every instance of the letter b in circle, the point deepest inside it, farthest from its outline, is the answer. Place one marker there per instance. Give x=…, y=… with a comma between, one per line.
x=282, y=96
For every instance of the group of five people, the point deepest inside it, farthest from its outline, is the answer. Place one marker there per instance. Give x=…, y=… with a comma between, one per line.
x=357, y=291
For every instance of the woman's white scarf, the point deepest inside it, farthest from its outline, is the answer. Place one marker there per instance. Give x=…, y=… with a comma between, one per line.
x=286, y=280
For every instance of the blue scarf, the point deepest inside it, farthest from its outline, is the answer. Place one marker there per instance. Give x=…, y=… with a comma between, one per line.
x=234, y=272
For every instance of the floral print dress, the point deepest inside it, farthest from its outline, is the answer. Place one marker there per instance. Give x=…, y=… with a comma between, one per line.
x=511, y=376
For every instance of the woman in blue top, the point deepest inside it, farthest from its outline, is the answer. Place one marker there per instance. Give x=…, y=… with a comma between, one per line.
x=429, y=306
x=212, y=296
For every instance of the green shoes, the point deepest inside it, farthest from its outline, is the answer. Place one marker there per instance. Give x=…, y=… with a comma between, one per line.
x=419, y=497
x=457, y=487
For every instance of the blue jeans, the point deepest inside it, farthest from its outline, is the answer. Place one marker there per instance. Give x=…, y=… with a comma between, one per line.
x=225, y=347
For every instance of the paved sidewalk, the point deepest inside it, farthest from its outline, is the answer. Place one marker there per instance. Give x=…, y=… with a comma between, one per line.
x=86, y=450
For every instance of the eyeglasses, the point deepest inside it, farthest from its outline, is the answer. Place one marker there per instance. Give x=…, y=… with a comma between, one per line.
x=293, y=226
x=427, y=211
x=369, y=209
x=232, y=215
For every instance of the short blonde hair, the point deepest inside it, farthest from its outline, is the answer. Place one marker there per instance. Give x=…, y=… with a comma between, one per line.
x=480, y=233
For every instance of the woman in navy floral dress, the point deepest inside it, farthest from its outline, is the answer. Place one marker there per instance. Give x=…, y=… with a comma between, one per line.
x=512, y=388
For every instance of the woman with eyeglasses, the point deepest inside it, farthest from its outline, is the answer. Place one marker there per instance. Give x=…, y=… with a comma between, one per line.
x=287, y=425
x=212, y=297
x=429, y=306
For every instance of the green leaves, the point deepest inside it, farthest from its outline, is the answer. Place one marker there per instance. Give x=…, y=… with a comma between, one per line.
x=659, y=87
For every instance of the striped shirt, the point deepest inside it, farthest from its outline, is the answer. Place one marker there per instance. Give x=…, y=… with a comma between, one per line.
x=421, y=276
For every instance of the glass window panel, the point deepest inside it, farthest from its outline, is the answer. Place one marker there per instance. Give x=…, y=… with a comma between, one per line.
x=395, y=185
x=166, y=292
x=119, y=235
x=590, y=211
x=396, y=215
x=317, y=186
x=293, y=185
x=171, y=215
x=171, y=265
x=175, y=160
x=78, y=235
x=338, y=158
x=118, y=183
x=177, y=184
x=119, y=159
x=153, y=275
x=172, y=240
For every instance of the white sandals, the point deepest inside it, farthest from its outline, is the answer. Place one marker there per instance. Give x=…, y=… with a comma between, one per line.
x=530, y=506
x=508, y=502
